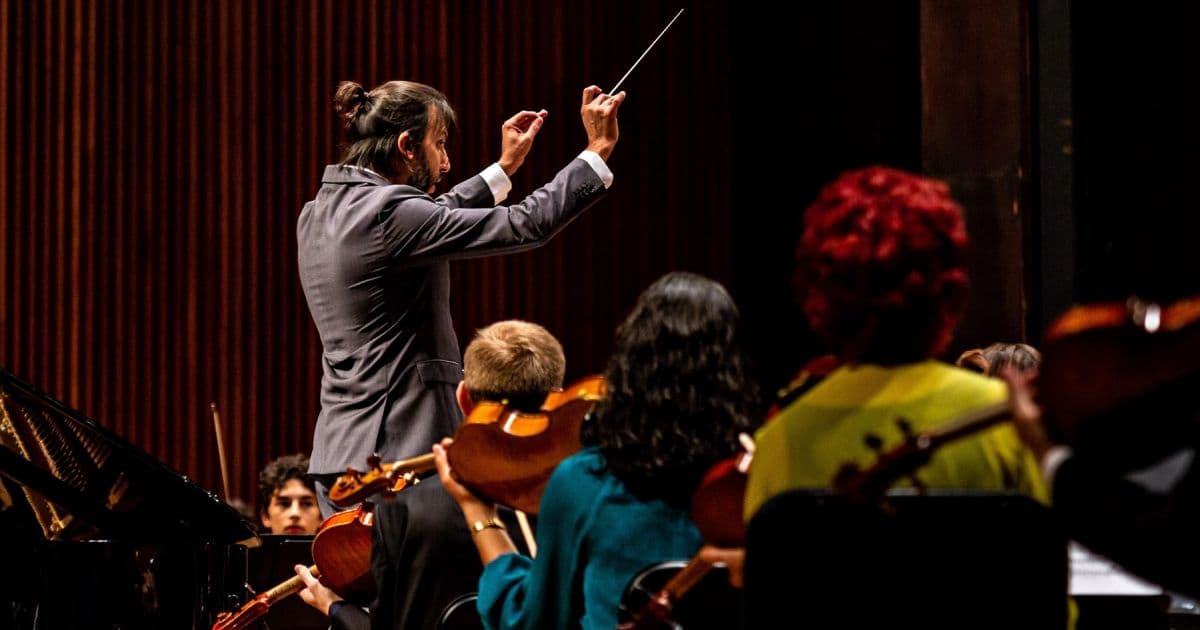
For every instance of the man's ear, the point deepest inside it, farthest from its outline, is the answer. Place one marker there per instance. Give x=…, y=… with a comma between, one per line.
x=266, y=520
x=403, y=142
x=464, y=398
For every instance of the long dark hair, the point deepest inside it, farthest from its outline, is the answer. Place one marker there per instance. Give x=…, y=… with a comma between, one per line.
x=679, y=389
x=374, y=120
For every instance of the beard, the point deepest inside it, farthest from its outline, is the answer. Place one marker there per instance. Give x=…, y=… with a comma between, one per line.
x=422, y=177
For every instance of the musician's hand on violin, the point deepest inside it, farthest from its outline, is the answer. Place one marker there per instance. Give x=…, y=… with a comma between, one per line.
x=599, y=114
x=316, y=594
x=473, y=507
x=1027, y=414
x=516, y=139
x=732, y=559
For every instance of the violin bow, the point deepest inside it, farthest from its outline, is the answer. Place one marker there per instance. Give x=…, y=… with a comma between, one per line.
x=220, y=449
x=527, y=533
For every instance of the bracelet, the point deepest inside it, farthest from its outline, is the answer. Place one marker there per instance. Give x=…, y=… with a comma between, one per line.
x=491, y=523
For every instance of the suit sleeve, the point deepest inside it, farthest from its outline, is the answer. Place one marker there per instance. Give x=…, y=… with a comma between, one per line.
x=417, y=230
x=350, y=617
x=472, y=193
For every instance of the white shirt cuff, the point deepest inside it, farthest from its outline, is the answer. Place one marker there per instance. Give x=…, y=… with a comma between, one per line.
x=597, y=163
x=498, y=182
x=1051, y=462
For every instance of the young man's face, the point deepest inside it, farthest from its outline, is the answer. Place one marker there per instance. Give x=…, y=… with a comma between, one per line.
x=293, y=510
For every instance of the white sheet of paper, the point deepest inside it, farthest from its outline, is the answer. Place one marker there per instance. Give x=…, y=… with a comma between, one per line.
x=1096, y=575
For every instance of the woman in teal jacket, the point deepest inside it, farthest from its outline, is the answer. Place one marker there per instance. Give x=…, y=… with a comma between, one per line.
x=679, y=394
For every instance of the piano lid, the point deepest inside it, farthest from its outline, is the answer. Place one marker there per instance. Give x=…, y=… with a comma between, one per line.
x=83, y=481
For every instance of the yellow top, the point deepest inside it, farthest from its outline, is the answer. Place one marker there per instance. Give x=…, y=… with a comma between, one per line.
x=806, y=444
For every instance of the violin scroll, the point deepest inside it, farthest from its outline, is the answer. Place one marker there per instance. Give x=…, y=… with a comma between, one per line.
x=390, y=478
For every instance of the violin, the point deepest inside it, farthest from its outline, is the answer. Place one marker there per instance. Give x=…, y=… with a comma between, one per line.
x=1108, y=354
x=503, y=454
x=341, y=560
x=717, y=502
x=652, y=594
x=506, y=456
x=861, y=486
x=390, y=478
x=808, y=376
x=717, y=513
x=1094, y=358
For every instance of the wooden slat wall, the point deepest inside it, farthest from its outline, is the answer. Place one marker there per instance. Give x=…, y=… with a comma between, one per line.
x=154, y=157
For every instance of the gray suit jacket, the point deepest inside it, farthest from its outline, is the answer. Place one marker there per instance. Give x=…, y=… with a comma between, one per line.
x=373, y=260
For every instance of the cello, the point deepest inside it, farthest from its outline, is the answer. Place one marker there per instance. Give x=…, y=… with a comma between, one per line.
x=341, y=553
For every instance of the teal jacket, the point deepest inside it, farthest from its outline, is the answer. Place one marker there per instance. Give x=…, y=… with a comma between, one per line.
x=593, y=536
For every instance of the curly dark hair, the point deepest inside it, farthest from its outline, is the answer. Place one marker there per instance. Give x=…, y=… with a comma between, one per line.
x=882, y=266
x=679, y=389
x=275, y=475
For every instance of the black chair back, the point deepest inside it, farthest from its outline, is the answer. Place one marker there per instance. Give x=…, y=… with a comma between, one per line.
x=947, y=560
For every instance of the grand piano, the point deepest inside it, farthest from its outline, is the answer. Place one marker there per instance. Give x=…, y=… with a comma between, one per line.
x=96, y=534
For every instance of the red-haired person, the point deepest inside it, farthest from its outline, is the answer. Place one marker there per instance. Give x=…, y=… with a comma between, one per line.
x=882, y=277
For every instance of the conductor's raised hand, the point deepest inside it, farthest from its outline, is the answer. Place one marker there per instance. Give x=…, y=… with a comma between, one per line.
x=516, y=139
x=599, y=114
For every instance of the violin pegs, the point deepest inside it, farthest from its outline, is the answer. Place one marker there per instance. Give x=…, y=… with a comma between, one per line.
x=352, y=472
x=905, y=428
x=373, y=460
x=873, y=442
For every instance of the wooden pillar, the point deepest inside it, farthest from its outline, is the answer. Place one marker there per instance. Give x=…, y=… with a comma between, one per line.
x=975, y=134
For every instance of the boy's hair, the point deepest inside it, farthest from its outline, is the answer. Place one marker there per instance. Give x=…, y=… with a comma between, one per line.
x=515, y=361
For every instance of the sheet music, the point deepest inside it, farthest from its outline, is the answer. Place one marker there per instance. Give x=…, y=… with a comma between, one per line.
x=1092, y=574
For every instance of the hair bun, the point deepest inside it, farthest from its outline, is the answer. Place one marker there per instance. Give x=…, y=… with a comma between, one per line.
x=349, y=100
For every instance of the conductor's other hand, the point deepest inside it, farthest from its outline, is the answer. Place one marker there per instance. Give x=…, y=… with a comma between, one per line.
x=516, y=139
x=599, y=114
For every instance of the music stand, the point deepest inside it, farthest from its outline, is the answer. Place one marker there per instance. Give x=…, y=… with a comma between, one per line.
x=940, y=561
x=272, y=563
